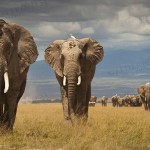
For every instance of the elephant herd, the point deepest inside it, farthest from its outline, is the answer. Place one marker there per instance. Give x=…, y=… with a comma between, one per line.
x=128, y=100
x=142, y=97
x=73, y=61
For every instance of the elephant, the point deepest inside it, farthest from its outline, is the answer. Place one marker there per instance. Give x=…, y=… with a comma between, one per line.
x=92, y=101
x=17, y=51
x=115, y=100
x=127, y=100
x=144, y=93
x=74, y=63
x=135, y=101
x=104, y=100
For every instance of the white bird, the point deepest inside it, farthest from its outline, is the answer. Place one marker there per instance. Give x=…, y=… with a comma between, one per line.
x=72, y=36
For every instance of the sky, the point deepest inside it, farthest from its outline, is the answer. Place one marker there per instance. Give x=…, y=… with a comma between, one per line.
x=116, y=24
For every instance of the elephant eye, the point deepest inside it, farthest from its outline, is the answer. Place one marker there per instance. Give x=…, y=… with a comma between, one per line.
x=81, y=56
x=62, y=57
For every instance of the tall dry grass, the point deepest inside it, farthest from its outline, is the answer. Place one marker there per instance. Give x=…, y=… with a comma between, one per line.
x=41, y=126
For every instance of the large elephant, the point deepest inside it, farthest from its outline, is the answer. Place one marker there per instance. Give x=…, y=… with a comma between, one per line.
x=74, y=62
x=144, y=93
x=17, y=51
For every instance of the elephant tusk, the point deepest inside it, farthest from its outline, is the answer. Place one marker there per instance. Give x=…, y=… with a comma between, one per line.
x=79, y=80
x=64, y=81
x=6, y=79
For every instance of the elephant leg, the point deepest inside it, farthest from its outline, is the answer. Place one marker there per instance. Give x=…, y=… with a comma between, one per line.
x=22, y=89
x=5, y=115
x=12, y=103
x=65, y=103
x=82, y=104
x=13, y=98
x=88, y=96
x=117, y=104
x=2, y=101
x=12, y=108
x=145, y=105
x=1, y=115
x=4, y=112
x=1, y=112
x=148, y=107
x=148, y=103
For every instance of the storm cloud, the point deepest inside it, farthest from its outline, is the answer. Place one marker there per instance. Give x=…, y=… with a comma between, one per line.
x=116, y=24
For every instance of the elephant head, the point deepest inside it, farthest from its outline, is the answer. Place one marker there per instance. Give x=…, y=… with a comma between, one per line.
x=73, y=59
x=61, y=54
x=17, y=51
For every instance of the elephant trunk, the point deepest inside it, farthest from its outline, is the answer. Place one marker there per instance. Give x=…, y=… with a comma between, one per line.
x=72, y=79
x=72, y=69
x=72, y=83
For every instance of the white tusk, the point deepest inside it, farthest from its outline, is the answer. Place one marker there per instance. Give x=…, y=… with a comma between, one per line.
x=6, y=79
x=64, y=81
x=79, y=80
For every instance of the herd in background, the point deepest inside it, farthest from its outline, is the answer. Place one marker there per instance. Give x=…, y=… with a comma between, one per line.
x=142, y=97
x=128, y=100
x=117, y=101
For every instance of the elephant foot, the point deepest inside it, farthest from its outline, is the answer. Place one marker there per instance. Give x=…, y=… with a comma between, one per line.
x=66, y=115
x=5, y=129
x=74, y=119
x=79, y=121
x=67, y=122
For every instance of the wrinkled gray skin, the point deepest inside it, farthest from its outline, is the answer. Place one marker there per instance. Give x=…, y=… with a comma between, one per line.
x=72, y=58
x=144, y=93
x=17, y=51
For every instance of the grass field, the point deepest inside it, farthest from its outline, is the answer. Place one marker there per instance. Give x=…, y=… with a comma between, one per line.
x=41, y=126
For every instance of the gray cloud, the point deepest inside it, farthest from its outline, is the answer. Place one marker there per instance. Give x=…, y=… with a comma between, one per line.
x=115, y=23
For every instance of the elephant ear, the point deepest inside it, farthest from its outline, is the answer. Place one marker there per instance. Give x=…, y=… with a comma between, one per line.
x=52, y=56
x=141, y=90
x=94, y=51
x=25, y=45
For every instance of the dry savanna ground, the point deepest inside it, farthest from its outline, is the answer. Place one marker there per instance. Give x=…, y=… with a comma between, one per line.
x=41, y=126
